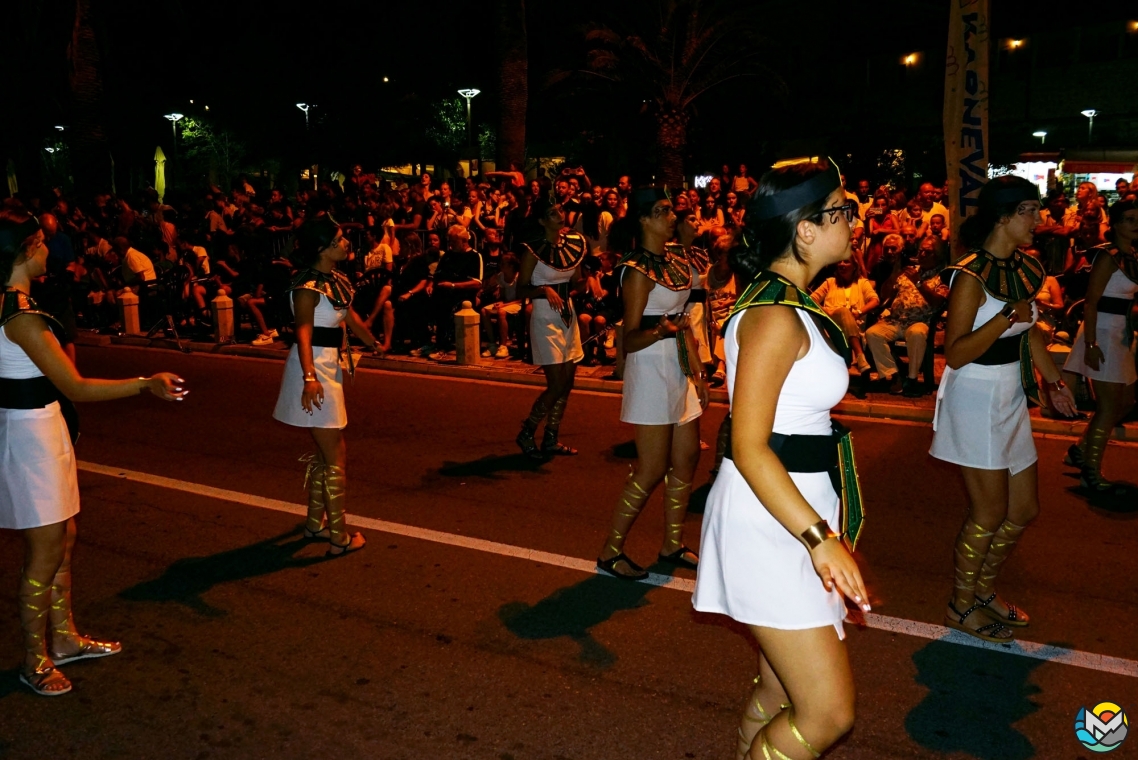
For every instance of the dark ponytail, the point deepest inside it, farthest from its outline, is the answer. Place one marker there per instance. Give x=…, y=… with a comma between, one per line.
x=17, y=228
x=765, y=241
x=312, y=238
x=975, y=229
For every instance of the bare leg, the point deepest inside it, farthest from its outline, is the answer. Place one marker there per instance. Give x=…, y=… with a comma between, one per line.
x=653, y=445
x=44, y=550
x=1114, y=402
x=549, y=444
x=677, y=491
x=503, y=327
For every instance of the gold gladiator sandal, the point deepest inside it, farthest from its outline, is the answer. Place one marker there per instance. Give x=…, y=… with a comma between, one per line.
x=755, y=718
x=770, y=752
x=44, y=679
x=677, y=494
x=63, y=626
x=971, y=548
x=335, y=497
x=525, y=439
x=1002, y=544
x=314, y=527
x=1090, y=472
x=549, y=443
x=632, y=500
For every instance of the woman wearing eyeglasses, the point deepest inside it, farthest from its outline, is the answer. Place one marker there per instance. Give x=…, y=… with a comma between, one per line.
x=772, y=557
x=665, y=386
x=550, y=274
x=981, y=421
x=312, y=390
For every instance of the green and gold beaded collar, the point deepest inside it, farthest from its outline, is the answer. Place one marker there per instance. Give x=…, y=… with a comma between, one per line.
x=335, y=286
x=1016, y=278
x=772, y=289
x=1127, y=262
x=670, y=270
x=15, y=302
x=563, y=255
x=699, y=259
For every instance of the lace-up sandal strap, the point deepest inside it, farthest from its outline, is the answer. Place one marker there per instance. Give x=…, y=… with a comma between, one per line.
x=798, y=734
x=44, y=676
x=990, y=632
x=609, y=566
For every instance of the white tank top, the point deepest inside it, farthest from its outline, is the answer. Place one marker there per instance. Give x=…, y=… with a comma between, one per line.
x=1120, y=286
x=663, y=301
x=326, y=314
x=543, y=274
x=814, y=386
x=14, y=363
x=990, y=307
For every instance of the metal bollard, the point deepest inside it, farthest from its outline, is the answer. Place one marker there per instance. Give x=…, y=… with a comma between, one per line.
x=222, y=306
x=467, y=343
x=128, y=313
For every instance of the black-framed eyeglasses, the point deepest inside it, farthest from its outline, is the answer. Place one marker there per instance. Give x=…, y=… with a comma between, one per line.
x=849, y=209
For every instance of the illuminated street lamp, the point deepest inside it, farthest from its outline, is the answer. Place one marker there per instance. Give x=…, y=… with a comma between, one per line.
x=1090, y=113
x=174, y=119
x=1041, y=135
x=469, y=95
x=304, y=107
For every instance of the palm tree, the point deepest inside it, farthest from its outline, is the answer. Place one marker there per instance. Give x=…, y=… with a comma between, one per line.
x=513, y=85
x=89, y=145
x=673, y=53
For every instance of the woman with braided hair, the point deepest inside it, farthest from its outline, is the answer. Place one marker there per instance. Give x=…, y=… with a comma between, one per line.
x=772, y=555
x=981, y=421
x=39, y=491
x=550, y=274
x=312, y=390
x=1104, y=348
x=665, y=386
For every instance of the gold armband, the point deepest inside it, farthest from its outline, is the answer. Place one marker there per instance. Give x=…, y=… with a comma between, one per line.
x=817, y=533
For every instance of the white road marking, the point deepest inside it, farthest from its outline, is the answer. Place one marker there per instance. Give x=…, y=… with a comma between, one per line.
x=1076, y=658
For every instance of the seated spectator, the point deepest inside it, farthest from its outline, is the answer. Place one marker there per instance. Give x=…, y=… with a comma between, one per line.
x=881, y=268
x=458, y=277
x=879, y=222
x=734, y=211
x=377, y=251
x=137, y=268
x=913, y=215
x=587, y=305
x=501, y=298
x=848, y=297
x=410, y=299
x=492, y=251
x=1050, y=301
x=915, y=296
x=936, y=228
x=1089, y=233
x=709, y=215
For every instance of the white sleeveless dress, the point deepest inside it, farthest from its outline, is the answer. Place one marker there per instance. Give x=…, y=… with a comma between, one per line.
x=38, y=481
x=981, y=418
x=750, y=567
x=1110, y=331
x=656, y=391
x=553, y=341
x=326, y=361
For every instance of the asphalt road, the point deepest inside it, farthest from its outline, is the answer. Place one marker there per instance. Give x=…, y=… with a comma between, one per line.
x=242, y=640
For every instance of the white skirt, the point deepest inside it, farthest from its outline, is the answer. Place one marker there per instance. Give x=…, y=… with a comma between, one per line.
x=333, y=412
x=1119, y=364
x=981, y=419
x=552, y=340
x=38, y=482
x=752, y=569
x=656, y=391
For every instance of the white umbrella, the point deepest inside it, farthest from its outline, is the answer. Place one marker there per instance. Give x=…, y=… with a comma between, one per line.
x=160, y=172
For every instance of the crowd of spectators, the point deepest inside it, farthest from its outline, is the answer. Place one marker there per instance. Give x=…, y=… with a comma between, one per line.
x=421, y=249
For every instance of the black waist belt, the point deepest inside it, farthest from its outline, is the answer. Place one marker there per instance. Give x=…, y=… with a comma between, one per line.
x=37, y=393
x=698, y=295
x=327, y=337
x=1003, y=351
x=562, y=289
x=649, y=322
x=1112, y=305
x=808, y=453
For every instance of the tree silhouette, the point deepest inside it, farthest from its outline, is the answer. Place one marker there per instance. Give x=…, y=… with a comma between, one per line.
x=513, y=81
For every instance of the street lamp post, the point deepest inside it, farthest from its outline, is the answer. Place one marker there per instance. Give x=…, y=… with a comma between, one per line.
x=174, y=119
x=305, y=107
x=1041, y=135
x=469, y=95
x=1090, y=113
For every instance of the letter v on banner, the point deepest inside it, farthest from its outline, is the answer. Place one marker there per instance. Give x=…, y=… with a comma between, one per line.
x=965, y=111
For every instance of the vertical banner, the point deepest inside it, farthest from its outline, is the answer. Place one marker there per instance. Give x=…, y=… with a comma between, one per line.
x=966, y=110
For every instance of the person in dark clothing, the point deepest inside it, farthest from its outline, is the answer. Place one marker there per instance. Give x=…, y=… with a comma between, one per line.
x=409, y=298
x=458, y=277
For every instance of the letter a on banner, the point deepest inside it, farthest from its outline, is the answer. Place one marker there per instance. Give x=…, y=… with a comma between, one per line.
x=965, y=111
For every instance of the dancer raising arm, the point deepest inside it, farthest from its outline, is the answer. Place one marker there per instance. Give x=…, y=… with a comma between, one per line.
x=39, y=489
x=981, y=421
x=771, y=558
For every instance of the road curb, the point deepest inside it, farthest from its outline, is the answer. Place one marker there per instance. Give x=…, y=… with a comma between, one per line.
x=488, y=371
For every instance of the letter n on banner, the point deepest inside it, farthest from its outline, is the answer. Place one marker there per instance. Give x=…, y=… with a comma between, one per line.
x=965, y=111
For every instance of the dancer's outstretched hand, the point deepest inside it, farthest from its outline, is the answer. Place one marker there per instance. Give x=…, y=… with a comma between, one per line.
x=167, y=386
x=836, y=567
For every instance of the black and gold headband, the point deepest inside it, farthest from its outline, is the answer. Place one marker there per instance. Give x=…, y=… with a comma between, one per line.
x=785, y=201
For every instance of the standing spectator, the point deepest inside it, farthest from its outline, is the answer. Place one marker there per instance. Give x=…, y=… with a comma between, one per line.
x=743, y=184
x=928, y=197
x=1058, y=223
x=457, y=278
x=54, y=291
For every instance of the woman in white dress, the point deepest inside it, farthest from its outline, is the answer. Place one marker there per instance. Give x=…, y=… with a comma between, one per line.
x=981, y=421
x=1104, y=348
x=770, y=558
x=312, y=390
x=665, y=387
x=550, y=273
x=39, y=491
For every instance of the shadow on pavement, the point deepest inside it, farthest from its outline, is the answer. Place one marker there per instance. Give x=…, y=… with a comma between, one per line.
x=698, y=501
x=975, y=696
x=489, y=467
x=626, y=450
x=573, y=610
x=187, y=579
